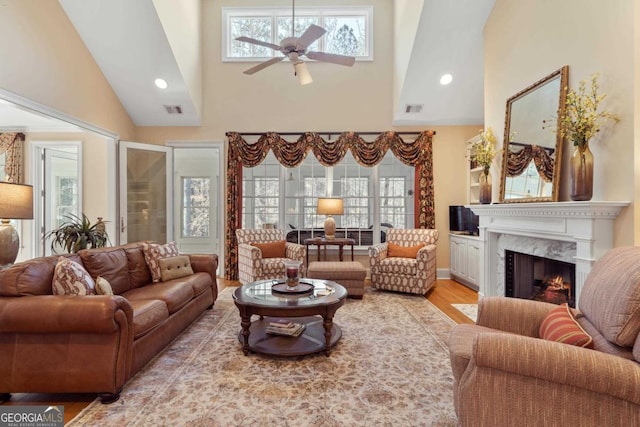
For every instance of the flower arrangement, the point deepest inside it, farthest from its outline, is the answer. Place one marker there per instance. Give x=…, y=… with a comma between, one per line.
x=581, y=119
x=484, y=151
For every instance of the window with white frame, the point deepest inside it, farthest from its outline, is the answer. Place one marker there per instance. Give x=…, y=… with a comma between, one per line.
x=349, y=30
x=195, y=207
x=261, y=194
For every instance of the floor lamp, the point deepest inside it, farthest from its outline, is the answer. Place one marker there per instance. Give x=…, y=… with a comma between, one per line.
x=16, y=202
x=328, y=207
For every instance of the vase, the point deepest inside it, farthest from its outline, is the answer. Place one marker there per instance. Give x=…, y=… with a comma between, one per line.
x=485, y=187
x=581, y=171
x=292, y=271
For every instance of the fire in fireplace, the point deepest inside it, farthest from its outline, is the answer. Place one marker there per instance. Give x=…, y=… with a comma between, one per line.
x=541, y=279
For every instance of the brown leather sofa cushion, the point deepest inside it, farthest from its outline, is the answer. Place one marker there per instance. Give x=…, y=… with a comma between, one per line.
x=110, y=263
x=175, y=294
x=32, y=277
x=147, y=315
x=139, y=273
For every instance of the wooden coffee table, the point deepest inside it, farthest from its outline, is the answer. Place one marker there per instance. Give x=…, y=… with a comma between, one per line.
x=312, y=308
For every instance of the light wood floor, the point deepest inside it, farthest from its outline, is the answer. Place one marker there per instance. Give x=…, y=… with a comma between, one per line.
x=446, y=292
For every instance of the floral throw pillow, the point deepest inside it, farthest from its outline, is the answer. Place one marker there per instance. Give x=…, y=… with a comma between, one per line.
x=153, y=252
x=70, y=278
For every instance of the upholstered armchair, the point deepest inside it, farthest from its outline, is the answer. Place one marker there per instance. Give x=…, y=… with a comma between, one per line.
x=253, y=266
x=505, y=374
x=415, y=273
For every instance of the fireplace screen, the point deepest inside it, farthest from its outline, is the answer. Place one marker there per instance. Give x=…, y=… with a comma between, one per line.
x=540, y=279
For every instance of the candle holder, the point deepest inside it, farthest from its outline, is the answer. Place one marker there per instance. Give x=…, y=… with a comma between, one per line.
x=292, y=273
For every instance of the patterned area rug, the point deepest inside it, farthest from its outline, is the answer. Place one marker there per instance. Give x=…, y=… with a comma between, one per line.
x=391, y=367
x=469, y=310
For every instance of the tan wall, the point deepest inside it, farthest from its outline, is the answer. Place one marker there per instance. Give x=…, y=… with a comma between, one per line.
x=527, y=40
x=45, y=60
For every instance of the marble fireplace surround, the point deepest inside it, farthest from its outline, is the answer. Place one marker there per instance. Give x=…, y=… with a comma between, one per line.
x=576, y=232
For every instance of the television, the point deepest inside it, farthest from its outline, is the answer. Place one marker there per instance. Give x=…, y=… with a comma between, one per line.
x=462, y=220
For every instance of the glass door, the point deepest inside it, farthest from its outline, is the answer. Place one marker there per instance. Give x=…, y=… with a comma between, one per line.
x=145, y=192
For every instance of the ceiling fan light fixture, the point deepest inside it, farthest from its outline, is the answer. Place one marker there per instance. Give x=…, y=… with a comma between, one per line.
x=302, y=72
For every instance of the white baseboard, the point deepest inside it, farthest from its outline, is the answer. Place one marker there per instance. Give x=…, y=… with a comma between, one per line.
x=443, y=273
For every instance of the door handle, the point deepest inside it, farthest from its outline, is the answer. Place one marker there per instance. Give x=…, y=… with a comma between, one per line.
x=122, y=226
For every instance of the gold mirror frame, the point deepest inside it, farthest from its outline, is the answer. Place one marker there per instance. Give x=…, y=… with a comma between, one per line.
x=531, y=142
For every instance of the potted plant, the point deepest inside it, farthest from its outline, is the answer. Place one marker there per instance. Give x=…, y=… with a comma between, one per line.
x=78, y=233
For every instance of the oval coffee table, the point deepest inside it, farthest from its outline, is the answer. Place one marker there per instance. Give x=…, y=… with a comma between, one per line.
x=314, y=308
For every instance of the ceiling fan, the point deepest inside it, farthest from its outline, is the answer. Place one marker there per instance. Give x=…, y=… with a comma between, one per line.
x=295, y=47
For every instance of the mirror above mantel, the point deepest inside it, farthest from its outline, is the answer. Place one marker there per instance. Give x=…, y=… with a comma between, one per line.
x=533, y=149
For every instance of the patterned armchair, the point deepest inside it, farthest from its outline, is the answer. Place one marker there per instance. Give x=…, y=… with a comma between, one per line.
x=416, y=276
x=252, y=266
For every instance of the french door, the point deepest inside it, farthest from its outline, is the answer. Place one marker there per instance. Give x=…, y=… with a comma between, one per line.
x=146, y=192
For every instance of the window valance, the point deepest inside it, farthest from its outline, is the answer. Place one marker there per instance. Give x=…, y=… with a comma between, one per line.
x=11, y=145
x=518, y=162
x=417, y=153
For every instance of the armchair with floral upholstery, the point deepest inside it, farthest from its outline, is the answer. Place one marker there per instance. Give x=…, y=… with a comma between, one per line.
x=415, y=274
x=253, y=266
x=506, y=374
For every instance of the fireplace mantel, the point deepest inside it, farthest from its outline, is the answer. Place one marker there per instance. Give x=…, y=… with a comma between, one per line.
x=588, y=225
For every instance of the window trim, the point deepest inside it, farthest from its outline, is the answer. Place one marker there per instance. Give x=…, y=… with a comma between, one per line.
x=276, y=12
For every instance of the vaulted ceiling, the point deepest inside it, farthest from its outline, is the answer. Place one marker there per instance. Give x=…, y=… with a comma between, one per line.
x=131, y=43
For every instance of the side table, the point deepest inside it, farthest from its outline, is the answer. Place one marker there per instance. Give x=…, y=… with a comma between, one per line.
x=341, y=242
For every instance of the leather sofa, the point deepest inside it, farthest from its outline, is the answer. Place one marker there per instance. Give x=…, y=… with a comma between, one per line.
x=93, y=344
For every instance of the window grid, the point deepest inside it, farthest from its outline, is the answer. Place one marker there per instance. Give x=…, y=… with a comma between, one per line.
x=393, y=207
x=196, y=202
x=348, y=30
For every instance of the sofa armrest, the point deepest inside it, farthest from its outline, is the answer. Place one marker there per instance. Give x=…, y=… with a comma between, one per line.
x=427, y=256
x=100, y=314
x=557, y=364
x=206, y=263
x=515, y=315
x=376, y=254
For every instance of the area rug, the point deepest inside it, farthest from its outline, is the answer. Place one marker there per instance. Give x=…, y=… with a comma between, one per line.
x=469, y=310
x=390, y=368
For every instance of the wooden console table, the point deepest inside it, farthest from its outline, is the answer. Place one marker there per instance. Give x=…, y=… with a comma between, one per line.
x=338, y=241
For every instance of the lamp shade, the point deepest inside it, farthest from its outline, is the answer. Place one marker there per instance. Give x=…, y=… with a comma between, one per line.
x=330, y=206
x=16, y=201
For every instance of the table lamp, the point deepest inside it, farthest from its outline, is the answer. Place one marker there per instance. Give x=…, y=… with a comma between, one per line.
x=16, y=202
x=328, y=207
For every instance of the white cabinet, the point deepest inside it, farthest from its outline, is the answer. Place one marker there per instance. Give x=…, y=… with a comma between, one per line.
x=465, y=258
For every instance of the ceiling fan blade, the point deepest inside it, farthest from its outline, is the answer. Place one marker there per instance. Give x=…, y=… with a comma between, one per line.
x=310, y=35
x=258, y=42
x=264, y=65
x=332, y=57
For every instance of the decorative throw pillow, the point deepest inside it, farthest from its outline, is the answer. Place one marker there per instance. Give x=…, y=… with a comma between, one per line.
x=394, y=250
x=103, y=287
x=175, y=267
x=272, y=249
x=70, y=278
x=561, y=326
x=154, y=252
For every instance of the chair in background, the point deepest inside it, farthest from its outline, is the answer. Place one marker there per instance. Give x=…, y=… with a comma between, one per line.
x=406, y=262
x=504, y=374
x=261, y=252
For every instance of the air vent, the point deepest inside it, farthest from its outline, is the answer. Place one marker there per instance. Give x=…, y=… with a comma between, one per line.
x=173, y=109
x=413, y=108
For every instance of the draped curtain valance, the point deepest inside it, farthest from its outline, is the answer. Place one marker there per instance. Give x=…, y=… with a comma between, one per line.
x=418, y=153
x=518, y=162
x=11, y=145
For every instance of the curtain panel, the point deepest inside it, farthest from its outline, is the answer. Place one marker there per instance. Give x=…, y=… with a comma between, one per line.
x=518, y=162
x=11, y=144
x=418, y=153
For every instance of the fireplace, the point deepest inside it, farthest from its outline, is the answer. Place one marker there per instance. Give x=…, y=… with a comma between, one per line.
x=575, y=232
x=538, y=278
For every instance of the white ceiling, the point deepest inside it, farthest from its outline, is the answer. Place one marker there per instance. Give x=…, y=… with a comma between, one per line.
x=127, y=40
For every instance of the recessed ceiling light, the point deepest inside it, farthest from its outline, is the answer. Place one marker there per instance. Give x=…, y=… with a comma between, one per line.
x=446, y=79
x=161, y=83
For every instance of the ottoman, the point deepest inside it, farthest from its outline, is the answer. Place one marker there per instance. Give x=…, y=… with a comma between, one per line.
x=349, y=274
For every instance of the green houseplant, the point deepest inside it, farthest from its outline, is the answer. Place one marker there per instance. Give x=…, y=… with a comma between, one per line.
x=78, y=233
